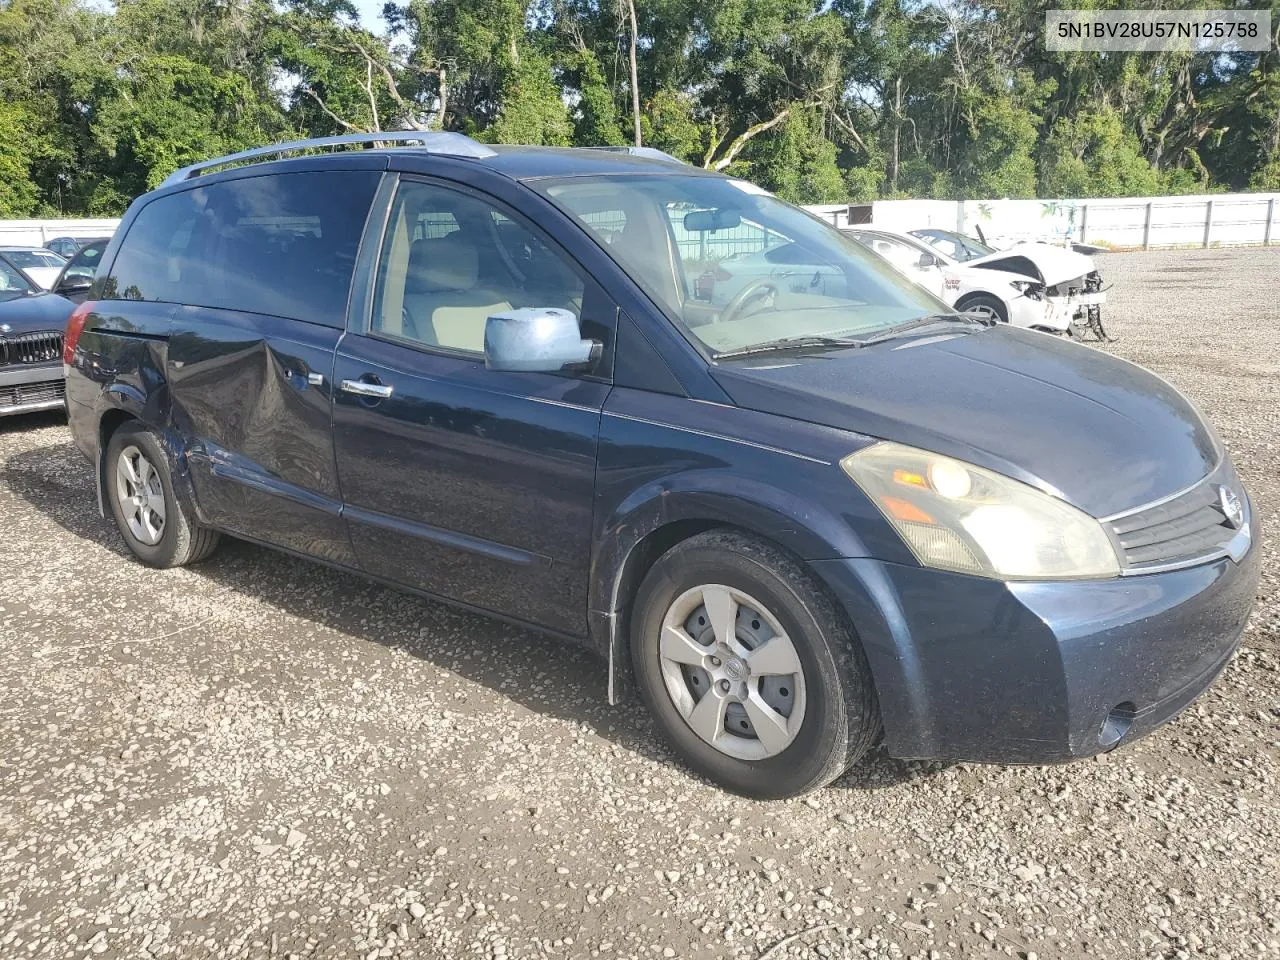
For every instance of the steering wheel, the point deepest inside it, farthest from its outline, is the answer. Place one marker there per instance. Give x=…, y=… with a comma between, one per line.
x=752, y=291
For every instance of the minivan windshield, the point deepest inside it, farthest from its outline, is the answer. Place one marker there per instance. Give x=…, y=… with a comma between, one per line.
x=735, y=266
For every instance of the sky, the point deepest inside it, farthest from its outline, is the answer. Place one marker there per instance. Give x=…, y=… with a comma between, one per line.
x=370, y=14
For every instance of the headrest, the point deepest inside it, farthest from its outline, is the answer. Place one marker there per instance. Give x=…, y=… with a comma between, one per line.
x=444, y=263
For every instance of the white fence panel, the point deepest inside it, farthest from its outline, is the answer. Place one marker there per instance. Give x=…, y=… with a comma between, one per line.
x=36, y=233
x=1141, y=222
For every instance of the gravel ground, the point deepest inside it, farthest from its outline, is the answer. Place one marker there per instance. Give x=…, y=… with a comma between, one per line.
x=258, y=757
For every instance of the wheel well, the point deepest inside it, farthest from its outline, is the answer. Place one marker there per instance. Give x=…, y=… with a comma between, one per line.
x=641, y=558
x=976, y=295
x=969, y=299
x=111, y=421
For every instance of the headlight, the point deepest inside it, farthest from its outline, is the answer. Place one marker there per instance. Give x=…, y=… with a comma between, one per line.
x=1028, y=288
x=956, y=516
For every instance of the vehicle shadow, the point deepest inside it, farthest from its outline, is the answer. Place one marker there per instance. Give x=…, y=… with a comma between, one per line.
x=570, y=681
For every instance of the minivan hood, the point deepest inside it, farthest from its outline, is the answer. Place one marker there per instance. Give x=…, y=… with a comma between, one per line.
x=1053, y=264
x=1102, y=433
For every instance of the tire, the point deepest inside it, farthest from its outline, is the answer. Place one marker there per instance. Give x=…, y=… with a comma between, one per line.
x=985, y=303
x=159, y=529
x=831, y=718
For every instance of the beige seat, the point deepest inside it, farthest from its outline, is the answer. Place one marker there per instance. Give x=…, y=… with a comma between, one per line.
x=644, y=245
x=443, y=304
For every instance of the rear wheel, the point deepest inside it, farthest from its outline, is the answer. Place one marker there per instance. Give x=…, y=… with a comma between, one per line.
x=987, y=306
x=750, y=668
x=155, y=525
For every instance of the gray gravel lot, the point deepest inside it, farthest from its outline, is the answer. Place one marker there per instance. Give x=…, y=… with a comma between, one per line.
x=259, y=757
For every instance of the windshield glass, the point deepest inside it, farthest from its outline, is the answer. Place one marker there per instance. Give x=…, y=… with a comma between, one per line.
x=960, y=247
x=735, y=266
x=12, y=283
x=34, y=258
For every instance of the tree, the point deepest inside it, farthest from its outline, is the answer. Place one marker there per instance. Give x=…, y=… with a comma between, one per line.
x=852, y=99
x=1093, y=155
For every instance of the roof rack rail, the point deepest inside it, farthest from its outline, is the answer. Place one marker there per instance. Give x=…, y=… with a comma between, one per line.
x=649, y=153
x=442, y=142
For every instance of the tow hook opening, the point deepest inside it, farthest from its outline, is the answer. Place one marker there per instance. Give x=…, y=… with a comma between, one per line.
x=1117, y=724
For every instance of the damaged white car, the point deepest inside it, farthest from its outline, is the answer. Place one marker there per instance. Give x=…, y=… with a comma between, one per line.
x=1031, y=285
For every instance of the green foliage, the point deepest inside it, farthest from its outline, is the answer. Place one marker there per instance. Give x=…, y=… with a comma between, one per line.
x=668, y=123
x=1093, y=155
x=175, y=112
x=532, y=111
x=18, y=193
x=996, y=158
x=800, y=163
x=848, y=100
x=597, y=121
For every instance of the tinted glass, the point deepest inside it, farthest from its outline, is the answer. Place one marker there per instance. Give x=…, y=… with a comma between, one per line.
x=283, y=245
x=451, y=260
x=701, y=248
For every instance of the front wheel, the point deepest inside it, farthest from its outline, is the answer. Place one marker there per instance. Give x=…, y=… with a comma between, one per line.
x=750, y=669
x=987, y=306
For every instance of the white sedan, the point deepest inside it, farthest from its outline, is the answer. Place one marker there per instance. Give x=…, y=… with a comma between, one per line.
x=1031, y=285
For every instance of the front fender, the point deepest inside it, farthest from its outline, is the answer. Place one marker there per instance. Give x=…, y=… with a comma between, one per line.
x=665, y=476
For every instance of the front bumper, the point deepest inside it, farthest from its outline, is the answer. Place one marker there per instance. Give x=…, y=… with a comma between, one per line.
x=973, y=669
x=1041, y=313
x=31, y=388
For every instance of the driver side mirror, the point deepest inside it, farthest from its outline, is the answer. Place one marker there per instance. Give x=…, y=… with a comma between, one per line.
x=73, y=285
x=542, y=339
x=928, y=260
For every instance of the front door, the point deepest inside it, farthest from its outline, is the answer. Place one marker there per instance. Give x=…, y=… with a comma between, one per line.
x=469, y=483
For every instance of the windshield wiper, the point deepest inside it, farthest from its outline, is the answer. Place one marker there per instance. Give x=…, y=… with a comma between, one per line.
x=929, y=321
x=790, y=343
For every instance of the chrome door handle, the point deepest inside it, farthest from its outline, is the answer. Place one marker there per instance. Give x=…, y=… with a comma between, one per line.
x=379, y=391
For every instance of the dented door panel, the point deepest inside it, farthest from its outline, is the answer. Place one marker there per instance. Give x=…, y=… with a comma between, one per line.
x=252, y=396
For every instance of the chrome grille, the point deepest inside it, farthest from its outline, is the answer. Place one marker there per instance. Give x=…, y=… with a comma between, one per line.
x=30, y=394
x=44, y=346
x=1191, y=526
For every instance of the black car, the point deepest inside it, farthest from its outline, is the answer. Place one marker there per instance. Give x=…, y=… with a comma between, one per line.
x=811, y=515
x=31, y=327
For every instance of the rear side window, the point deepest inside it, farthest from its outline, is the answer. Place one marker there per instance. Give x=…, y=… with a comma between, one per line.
x=283, y=245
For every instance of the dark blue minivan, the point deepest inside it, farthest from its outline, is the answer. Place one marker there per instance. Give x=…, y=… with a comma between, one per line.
x=791, y=498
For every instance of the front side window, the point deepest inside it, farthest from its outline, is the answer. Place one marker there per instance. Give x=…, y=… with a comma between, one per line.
x=904, y=256
x=946, y=245
x=735, y=266
x=283, y=245
x=85, y=263
x=450, y=260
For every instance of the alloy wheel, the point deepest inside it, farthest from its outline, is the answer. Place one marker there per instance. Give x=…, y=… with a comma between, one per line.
x=140, y=495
